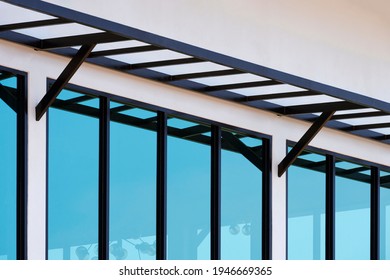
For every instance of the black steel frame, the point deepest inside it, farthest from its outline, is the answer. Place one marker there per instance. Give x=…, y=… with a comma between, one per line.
x=330, y=171
x=21, y=162
x=114, y=32
x=105, y=115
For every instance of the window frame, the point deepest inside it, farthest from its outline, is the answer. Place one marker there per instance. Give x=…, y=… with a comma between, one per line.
x=161, y=185
x=21, y=161
x=330, y=199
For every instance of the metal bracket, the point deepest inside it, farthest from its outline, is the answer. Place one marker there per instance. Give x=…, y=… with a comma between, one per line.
x=304, y=141
x=62, y=80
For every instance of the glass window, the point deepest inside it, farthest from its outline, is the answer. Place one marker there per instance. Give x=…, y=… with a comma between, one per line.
x=241, y=196
x=8, y=171
x=306, y=207
x=188, y=190
x=132, y=183
x=352, y=227
x=73, y=178
x=384, y=220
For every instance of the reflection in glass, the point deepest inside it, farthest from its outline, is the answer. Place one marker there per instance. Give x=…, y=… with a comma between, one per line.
x=132, y=183
x=7, y=171
x=352, y=211
x=241, y=196
x=306, y=207
x=72, y=180
x=384, y=221
x=188, y=190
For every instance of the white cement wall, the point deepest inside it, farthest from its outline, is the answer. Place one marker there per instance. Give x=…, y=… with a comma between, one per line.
x=334, y=42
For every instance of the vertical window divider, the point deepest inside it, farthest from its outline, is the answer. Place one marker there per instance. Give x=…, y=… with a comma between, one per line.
x=215, y=218
x=21, y=231
x=161, y=190
x=266, y=202
x=104, y=168
x=330, y=208
x=374, y=213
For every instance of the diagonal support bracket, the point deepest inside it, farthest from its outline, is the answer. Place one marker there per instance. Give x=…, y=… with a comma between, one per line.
x=62, y=80
x=10, y=99
x=304, y=141
x=243, y=149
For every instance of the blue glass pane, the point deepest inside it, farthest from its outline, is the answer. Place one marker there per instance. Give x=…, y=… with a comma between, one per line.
x=306, y=208
x=132, y=188
x=352, y=212
x=241, y=198
x=188, y=194
x=385, y=216
x=7, y=177
x=72, y=185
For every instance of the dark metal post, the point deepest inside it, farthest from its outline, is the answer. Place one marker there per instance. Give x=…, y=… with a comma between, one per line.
x=21, y=231
x=267, y=205
x=374, y=242
x=104, y=171
x=161, y=203
x=215, y=218
x=330, y=208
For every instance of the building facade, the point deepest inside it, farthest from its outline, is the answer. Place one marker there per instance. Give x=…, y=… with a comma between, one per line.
x=194, y=130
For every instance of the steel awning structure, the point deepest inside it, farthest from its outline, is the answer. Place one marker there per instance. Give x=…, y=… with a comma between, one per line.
x=85, y=38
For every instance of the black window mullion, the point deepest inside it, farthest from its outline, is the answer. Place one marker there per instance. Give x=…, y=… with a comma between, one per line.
x=330, y=208
x=215, y=209
x=104, y=156
x=21, y=189
x=374, y=212
x=266, y=202
x=161, y=191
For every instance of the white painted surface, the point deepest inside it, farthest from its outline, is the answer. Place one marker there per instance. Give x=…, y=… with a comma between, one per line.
x=341, y=43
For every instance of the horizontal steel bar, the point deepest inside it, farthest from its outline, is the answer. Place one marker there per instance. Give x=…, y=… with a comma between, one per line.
x=199, y=75
x=279, y=95
x=317, y=107
x=78, y=40
x=241, y=85
x=162, y=63
x=32, y=24
x=366, y=126
x=124, y=51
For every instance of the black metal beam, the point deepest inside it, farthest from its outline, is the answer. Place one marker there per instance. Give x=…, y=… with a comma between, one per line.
x=317, y=107
x=215, y=219
x=255, y=159
x=267, y=201
x=330, y=208
x=359, y=115
x=161, y=192
x=80, y=40
x=21, y=162
x=279, y=95
x=194, y=130
x=374, y=214
x=124, y=51
x=31, y=24
x=78, y=99
x=62, y=80
x=199, y=75
x=10, y=99
x=104, y=178
x=303, y=142
x=203, y=54
x=161, y=63
x=240, y=85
